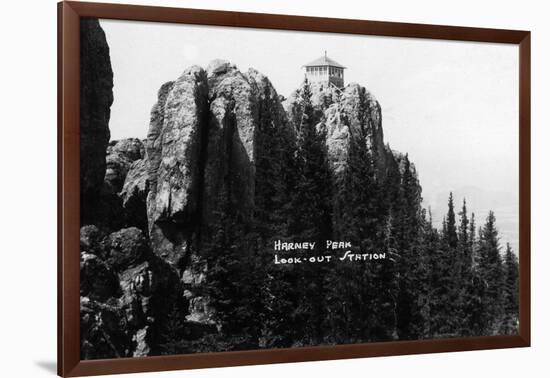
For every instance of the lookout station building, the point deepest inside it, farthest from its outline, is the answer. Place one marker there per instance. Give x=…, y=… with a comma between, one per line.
x=325, y=71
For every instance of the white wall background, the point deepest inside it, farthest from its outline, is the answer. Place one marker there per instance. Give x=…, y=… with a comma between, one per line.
x=28, y=167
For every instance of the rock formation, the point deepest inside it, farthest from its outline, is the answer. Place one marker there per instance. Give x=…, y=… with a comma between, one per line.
x=148, y=207
x=345, y=114
x=174, y=147
x=120, y=156
x=126, y=293
x=201, y=146
x=134, y=194
x=96, y=97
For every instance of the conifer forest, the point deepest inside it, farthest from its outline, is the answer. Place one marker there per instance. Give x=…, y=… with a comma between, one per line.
x=180, y=231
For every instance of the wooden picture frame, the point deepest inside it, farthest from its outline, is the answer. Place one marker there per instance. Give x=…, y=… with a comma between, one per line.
x=69, y=15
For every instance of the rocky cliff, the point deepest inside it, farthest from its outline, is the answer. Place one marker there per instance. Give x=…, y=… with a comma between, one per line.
x=96, y=97
x=346, y=114
x=200, y=148
x=201, y=156
x=126, y=291
x=149, y=207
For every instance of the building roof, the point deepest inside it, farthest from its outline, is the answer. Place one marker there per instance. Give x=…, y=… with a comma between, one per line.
x=324, y=61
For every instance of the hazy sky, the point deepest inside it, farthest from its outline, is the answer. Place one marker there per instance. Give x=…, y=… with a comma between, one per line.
x=453, y=106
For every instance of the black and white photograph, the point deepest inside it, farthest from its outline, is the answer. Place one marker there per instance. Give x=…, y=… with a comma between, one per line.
x=246, y=189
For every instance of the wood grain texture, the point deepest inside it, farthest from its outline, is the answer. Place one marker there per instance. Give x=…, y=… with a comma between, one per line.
x=69, y=14
x=287, y=22
x=68, y=190
x=525, y=188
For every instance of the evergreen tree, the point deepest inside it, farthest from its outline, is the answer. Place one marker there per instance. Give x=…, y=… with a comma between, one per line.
x=511, y=293
x=312, y=194
x=270, y=193
x=467, y=300
x=433, y=280
x=433, y=283
x=272, y=184
x=451, y=235
x=407, y=227
x=231, y=282
x=358, y=306
x=472, y=238
x=230, y=255
x=422, y=265
x=491, y=272
x=385, y=290
x=464, y=245
x=448, y=293
x=311, y=219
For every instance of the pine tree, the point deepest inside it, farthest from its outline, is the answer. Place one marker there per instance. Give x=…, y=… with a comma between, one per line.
x=272, y=148
x=358, y=306
x=511, y=293
x=408, y=235
x=421, y=271
x=446, y=322
x=472, y=238
x=312, y=194
x=272, y=182
x=230, y=254
x=451, y=235
x=385, y=290
x=433, y=280
x=464, y=240
x=311, y=219
x=230, y=282
x=491, y=272
x=467, y=300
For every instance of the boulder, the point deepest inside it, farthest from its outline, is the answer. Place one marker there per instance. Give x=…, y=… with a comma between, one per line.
x=117, y=167
x=126, y=248
x=91, y=240
x=151, y=291
x=120, y=157
x=132, y=148
x=134, y=195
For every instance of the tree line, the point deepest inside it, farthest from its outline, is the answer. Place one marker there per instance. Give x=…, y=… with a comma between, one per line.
x=448, y=281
